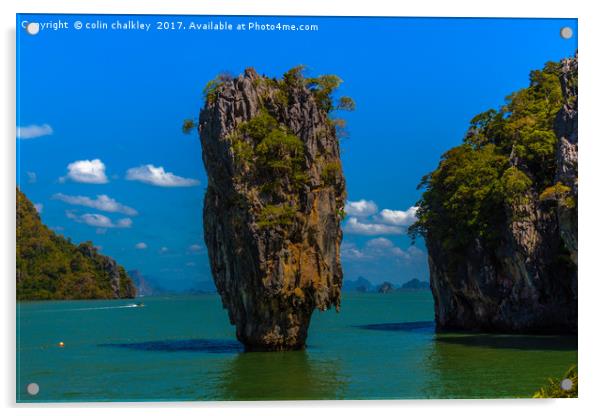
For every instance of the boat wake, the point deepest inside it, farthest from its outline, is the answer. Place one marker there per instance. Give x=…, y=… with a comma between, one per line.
x=131, y=305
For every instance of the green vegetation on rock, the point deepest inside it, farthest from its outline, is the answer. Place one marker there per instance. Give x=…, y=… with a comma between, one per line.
x=507, y=154
x=50, y=266
x=269, y=151
x=556, y=389
x=559, y=193
x=276, y=215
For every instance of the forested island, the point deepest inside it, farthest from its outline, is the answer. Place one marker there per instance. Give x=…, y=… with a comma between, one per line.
x=499, y=214
x=50, y=266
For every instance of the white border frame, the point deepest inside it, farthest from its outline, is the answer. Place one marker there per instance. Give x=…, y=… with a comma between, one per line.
x=590, y=31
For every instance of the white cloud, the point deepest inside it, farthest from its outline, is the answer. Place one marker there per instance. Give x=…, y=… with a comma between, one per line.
x=163, y=250
x=99, y=221
x=141, y=246
x=403, y=218
x=33, y=131
x=157, y=176
x=101, y=203
x=39, y=207
x=355, y=226
x=32, y=177
x=379, y=243
x=350, y=251
x=195, y=248
x=361, y=208
x=86, y=171
x=380, y=248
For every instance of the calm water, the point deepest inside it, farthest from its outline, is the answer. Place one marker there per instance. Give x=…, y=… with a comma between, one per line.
x=183, y=348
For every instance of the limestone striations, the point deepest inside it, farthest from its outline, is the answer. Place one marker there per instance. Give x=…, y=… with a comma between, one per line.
x=500, y=214
x=565, y=127
x=274, y=202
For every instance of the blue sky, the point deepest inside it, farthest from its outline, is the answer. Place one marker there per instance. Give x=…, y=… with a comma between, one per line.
x=101, y=148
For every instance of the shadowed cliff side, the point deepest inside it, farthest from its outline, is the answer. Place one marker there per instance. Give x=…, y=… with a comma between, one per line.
x=50, y=266
x=274, y=203
x=499, y=214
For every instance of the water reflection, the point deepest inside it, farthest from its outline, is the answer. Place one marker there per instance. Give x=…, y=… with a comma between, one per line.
x=520, y=342
x=290, y=375
x=212, y=346
x=461, y=365
x=426, y=326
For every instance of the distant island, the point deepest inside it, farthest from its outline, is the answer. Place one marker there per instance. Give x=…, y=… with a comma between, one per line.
x=416, y=284
x=363, y=285
x=147, y=286
x=50, y=266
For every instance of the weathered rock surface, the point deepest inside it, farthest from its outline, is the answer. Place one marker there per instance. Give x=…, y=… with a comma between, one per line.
x=566, y=165
x=526, y=284
x=273, y=232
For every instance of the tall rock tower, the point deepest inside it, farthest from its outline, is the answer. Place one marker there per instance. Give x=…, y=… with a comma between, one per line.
x=274, y=202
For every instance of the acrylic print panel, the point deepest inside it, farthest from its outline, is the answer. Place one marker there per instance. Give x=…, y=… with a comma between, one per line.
x=295, y=208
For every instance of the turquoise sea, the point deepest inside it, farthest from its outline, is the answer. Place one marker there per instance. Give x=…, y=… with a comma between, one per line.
x=183, y=348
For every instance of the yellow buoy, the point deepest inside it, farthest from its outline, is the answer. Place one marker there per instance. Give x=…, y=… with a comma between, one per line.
x=61, y=344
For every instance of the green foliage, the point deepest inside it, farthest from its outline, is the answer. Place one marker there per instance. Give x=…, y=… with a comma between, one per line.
x=281, y=152
x=330, y=173
x=187, y=126
x=50, y=266
x=322, y=88
x=212, y=87
x=515, y=185
x=293, y=78
x=276, y=154
x=259, y=126
x=269, y=155
x=466, y=196
x=524, y=126
x=346, y=103
x=559, y=193
x=276, y=216
x=554, y=390
x=463, y=196
x=243, y=150
x=210, y=90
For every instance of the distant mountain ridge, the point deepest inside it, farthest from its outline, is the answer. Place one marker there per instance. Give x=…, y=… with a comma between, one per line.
x=50, y=266
x=362, y=284
x=147, y=286
x=144, y=287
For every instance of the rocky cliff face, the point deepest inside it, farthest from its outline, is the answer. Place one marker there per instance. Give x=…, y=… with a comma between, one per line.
x=50, y=266
x=526, y=279
x=565, y=128
x=273, y=205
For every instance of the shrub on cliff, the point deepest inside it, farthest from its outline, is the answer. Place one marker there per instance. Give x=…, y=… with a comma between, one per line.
x=505, y=153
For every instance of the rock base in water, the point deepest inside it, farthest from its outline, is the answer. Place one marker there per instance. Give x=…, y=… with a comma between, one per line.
x=274, y=202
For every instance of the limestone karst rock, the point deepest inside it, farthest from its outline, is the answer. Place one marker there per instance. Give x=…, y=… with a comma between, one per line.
x=518, y=271
x=565, y=128
x=274, y=203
